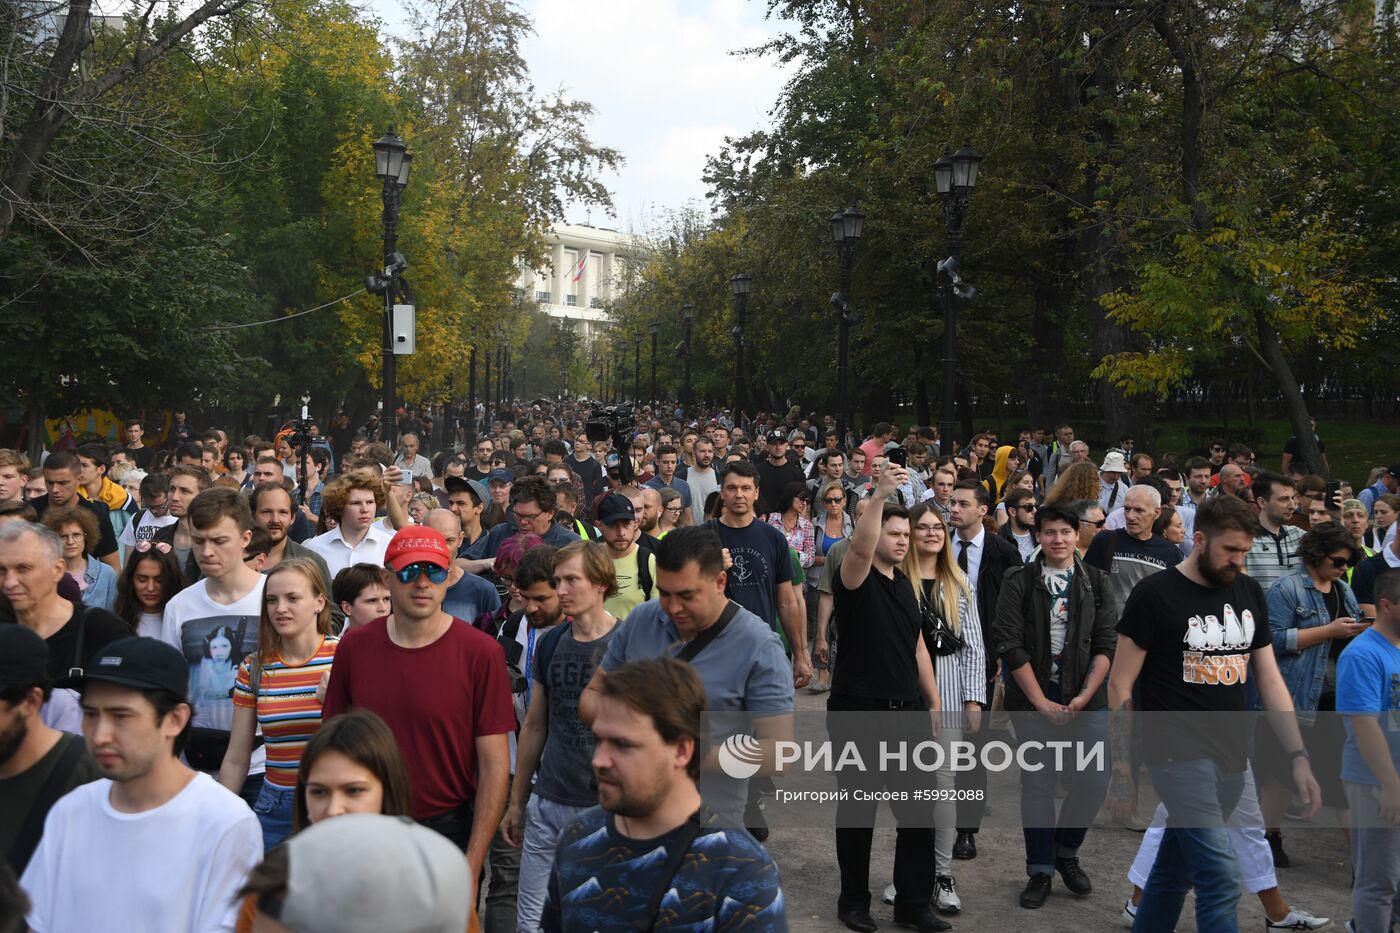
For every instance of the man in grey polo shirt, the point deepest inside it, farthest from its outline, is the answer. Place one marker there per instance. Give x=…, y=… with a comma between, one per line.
x=742, y=665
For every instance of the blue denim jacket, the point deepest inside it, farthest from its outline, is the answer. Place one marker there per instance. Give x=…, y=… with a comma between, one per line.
x=1295, y=603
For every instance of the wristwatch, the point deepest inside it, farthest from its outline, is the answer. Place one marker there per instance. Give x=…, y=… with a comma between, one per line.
x=1300, y=753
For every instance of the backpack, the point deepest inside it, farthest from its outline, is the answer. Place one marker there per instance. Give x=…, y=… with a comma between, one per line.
x=544, y=649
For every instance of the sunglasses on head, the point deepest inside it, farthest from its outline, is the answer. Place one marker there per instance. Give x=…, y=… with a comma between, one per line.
x=412, y=572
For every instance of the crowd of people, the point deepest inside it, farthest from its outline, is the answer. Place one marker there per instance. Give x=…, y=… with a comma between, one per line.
x=329, y=682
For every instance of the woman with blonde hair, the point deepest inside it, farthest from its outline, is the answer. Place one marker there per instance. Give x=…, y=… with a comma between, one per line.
x=1077, y=481
x=953, y=634
x=280, y=688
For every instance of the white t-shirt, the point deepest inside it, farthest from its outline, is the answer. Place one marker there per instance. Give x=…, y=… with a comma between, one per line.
x=176, y=867
x=144, y=528
x=150, y=624
x=214, y=639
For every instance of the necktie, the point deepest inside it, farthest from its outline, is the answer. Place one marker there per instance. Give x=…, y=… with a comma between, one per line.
x=962, y=554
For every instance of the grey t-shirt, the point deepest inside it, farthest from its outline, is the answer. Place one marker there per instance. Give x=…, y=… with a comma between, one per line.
x=566, y=765
x=744, y=670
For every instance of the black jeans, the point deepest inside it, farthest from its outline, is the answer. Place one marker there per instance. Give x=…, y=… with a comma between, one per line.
x=855, y=818
x=455, y=824
x=972, y=783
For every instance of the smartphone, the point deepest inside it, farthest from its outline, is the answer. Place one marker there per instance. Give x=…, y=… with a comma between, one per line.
x=406, y=477
x=1334, y=489
x=899, y=456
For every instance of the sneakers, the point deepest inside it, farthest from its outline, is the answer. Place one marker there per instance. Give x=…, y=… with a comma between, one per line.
x=1036, y=891
x=1298, y=920
x=945, y=895
x=888, y=897
x=1073, y=876
x=1129, y=913
x=1276, y=849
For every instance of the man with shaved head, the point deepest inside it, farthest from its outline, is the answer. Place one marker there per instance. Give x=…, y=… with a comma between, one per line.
x=1133, y=553
x=468, y=595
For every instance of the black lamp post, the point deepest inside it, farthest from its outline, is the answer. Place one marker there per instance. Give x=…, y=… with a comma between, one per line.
x=846, y=228
x=687, y=316
x=740, y=285
x=391, y=165
x=655, y=332
x=471, y=397
x=955, y=177
x=637, y=365
x=620, y=374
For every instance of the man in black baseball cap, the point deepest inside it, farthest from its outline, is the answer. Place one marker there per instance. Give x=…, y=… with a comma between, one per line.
x=38, y=764
x=184, y=843
x=775, y=471
x=634, y=565
x=466, y=498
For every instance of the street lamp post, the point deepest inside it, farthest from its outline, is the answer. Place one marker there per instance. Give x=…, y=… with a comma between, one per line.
x=471, y=397
x=620, y=374
x=655, y=332
x=392, y=162
x=740, y=285
x=846, y=228
x=955, y=177
x=687, y=316
x=637, y=365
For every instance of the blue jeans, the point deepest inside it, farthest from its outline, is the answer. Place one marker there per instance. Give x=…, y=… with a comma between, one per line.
x=274, y=810
x=544, y=821
x=1199, y=796
x=1047, y=835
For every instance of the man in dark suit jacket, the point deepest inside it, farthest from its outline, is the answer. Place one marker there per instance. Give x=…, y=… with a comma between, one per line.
x=985, y=557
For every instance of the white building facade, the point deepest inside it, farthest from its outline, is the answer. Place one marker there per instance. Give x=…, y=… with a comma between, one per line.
x=587, y=268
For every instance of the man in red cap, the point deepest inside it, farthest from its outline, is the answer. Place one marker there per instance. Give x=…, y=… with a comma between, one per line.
x=441, y=685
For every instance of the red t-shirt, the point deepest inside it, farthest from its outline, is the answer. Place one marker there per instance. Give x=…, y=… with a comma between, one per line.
x=436, y=699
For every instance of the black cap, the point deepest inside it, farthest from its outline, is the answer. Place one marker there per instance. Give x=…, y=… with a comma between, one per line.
x=1394, y=470
x=24, y=657
x=615, y=508
x=777, y=437
x=142, y=663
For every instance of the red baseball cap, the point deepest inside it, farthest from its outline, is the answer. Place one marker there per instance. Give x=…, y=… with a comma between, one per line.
x=417, y=544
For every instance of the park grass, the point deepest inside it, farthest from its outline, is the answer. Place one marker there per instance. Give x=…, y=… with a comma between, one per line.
x=1354, y=445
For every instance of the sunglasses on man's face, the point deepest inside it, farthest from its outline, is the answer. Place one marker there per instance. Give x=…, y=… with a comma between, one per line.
x=412, y=572
x=1097, y=524
x=1339, y=563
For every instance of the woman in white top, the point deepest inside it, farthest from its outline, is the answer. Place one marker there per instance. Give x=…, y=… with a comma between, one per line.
x=147, y=582
x=943, y=593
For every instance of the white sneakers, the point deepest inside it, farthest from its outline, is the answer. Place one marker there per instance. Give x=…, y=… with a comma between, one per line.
x=1298, y=920
x=945, y=895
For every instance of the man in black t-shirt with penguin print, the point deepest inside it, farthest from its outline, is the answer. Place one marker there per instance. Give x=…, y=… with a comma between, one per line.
x=1189, y=639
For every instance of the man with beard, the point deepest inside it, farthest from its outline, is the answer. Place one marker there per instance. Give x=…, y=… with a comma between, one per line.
x=38, y=765
x=272, y=511
x=634, y=566
x=702, y=477
x=1188, y=640
x=647, y=762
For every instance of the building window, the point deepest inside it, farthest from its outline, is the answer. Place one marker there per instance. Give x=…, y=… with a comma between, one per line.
x=571, y=300
x=595, y=302
x=542, y=296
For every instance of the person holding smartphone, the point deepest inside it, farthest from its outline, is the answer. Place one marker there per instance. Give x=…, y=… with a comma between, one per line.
x=1313, y=614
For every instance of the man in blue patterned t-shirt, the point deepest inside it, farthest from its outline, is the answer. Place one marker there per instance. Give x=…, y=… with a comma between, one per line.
x=652, y=847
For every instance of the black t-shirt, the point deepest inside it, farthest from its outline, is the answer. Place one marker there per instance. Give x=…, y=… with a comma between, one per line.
x=880, y=625
x=106, y=537
x=473, y=472
x=771, y=482
x=1290, y=446
x=100, y=628
x=1198, y=641
x=141, y=456
x=591, y=472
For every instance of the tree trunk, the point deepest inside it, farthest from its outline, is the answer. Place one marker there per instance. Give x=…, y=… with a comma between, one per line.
x=1043, y=382
x=1272, y=350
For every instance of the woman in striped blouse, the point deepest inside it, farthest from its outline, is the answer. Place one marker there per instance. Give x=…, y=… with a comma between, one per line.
x=277, y=689
x=944, y=593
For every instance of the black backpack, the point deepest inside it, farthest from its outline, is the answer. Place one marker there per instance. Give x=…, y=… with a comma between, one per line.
x=644, y=580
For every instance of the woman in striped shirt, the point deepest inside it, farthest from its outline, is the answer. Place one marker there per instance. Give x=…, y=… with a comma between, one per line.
x=944, y=593
x=276, y=689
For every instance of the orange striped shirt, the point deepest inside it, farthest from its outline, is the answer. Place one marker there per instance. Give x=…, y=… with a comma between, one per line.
x=286, y=706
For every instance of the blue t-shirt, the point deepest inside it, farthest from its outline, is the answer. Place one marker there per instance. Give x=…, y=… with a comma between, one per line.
x=761, y=562
x=488, y=544
x=1368, y=681
x=603, y=880
x=469, y=597
x=678, y=484
x=744, y=670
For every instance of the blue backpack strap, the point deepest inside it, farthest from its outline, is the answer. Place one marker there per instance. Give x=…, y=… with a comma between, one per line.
x=545, y=650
